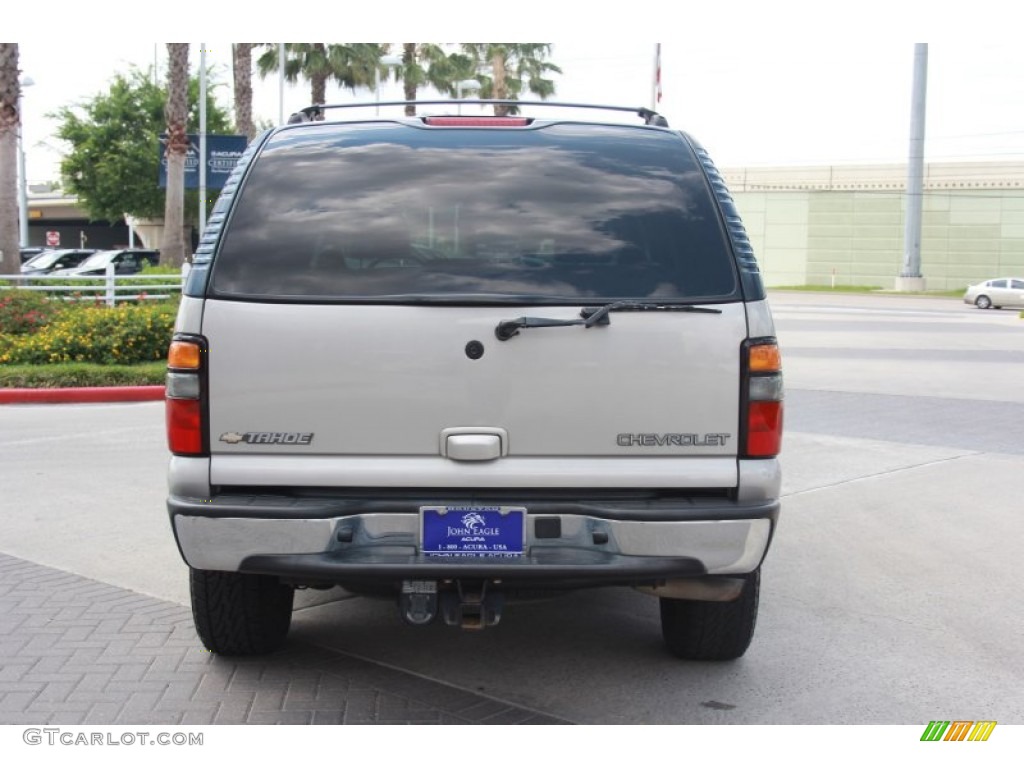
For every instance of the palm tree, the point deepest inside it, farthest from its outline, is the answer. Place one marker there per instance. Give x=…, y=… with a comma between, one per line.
x=242, y=71
x=427, y=64
x=10, y=124
x=515, y=68
x=172, y=250
x=350, y=65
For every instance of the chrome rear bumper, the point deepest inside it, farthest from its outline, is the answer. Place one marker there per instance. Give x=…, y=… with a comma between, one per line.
x=385, y=545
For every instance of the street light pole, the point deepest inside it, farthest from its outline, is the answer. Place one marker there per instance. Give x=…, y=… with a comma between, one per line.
x=389, y=61
x=910, y=278
x=280, y=83
x=469, y=85
x=25, y=82
x=202, y=138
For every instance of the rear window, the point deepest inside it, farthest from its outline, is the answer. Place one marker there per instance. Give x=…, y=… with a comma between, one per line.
x=389, y=211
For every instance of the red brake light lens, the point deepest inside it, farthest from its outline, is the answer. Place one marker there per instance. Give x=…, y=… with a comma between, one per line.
x=764, y=429
x=185, y=427
x=486, y=122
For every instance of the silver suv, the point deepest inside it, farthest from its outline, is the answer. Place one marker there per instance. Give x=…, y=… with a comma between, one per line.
x=459, y=360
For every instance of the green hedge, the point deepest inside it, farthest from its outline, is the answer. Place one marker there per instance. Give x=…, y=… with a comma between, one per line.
x=81, y=375
x=96, y=334
x=138, y=283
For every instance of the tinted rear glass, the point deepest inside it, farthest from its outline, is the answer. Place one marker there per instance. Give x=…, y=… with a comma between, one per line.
x=561, y=212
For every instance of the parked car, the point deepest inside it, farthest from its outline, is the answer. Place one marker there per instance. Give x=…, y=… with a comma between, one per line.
x=31, y=253
x=459, y=360
x=48, y=262
x=127, y=261
x=997, y=293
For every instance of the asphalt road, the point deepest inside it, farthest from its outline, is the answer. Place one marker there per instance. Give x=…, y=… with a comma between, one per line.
x=890, y=595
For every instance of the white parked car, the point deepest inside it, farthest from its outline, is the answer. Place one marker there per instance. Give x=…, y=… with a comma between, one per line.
x=126, y=261
x=998, y=293
x=458, y=359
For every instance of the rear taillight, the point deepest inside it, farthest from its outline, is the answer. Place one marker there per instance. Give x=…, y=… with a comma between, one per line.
x=186, y=403
x=762, y=372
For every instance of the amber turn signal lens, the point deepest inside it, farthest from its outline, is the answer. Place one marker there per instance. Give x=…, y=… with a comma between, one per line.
x=184, y=354
x=765, y=358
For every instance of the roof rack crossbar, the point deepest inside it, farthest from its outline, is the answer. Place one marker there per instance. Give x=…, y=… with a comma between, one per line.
x=316, y=111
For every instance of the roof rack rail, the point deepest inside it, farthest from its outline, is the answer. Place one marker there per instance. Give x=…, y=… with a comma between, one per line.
x=316, y=111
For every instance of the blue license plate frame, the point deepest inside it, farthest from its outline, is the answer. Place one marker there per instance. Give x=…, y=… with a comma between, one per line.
x=472, y=531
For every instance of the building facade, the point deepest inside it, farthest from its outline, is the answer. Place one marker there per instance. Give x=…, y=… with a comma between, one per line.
x=844, y=225
x=56, y=221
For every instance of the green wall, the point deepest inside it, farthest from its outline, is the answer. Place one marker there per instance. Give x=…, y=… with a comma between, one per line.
x=811, y=237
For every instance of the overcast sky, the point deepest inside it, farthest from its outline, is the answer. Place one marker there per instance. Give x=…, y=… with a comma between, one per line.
x=792, y=85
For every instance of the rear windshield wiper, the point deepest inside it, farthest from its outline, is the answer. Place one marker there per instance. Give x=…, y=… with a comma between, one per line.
x=591, y=316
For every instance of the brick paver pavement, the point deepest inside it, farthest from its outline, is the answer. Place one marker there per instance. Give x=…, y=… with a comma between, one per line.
x=79, y=652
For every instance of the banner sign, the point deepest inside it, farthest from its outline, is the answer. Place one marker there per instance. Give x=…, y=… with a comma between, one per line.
x=222, y=153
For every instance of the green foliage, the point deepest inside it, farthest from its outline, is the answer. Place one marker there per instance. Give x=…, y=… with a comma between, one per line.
x=429, y=64
x=23, y=312
x=504, y=70
x=160, y=269
x=350, y=65
x=873, y=289
x=828, y=288
x=95, y=334
x=148, y=281
x=82, y=375
x=516, y=69
x=114, y=162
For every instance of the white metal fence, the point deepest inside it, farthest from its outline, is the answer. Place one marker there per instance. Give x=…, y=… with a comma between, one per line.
x=108, y=289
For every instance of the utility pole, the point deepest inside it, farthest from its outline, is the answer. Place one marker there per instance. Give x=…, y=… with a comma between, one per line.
x=202, y=138
x=656, y=79
x=280, y=83
x=910, y=278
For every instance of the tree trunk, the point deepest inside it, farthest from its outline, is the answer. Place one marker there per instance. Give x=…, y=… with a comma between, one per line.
x=318, y=88
x=172, y=251
x=242, y=71
x=318, y=78
x=408, y=83
x=499, y=89
x=10, y=124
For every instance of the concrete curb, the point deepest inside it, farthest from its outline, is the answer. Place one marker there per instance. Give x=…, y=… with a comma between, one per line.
x=82, y=395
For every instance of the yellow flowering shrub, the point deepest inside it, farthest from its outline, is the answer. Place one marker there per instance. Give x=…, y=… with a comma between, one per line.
x=97, y=334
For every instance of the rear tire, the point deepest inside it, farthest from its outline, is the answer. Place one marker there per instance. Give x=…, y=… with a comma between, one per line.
x=983, y=302
x=701, y=630
x=240, y=614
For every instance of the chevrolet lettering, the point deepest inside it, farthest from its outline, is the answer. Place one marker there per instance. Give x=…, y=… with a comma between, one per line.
x=672, y=438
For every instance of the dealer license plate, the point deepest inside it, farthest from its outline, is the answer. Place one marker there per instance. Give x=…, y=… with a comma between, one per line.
x=471, y=531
